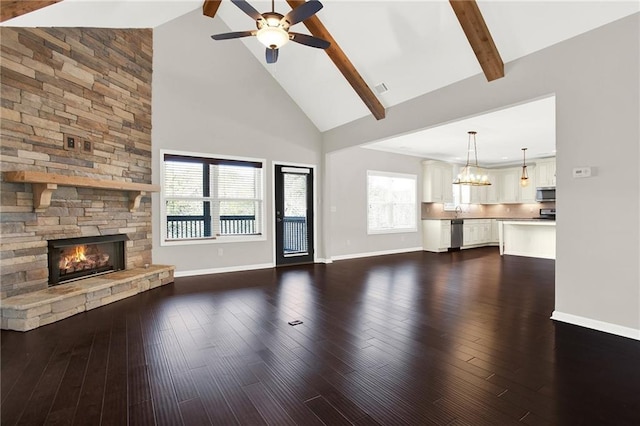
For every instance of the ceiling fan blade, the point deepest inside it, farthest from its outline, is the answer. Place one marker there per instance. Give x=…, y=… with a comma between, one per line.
x=248, y=9
x=308, y=40
x=302, y=12
x=272, y=55
x=237, y=34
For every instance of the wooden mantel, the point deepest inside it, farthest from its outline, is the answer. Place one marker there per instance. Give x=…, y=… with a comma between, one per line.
x=45, y=183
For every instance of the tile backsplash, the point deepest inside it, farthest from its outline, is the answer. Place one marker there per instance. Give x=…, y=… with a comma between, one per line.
x=519, y=211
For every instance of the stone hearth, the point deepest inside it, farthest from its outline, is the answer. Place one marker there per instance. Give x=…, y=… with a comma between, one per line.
x=32, y=310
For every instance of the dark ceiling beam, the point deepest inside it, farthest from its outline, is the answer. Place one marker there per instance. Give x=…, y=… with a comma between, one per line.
x=343, y=63
x=475, y=28
x=210, y=8
x=13, y=8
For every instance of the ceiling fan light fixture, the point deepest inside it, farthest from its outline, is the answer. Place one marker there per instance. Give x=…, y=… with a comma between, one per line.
x=272, y=37
x=472, y=174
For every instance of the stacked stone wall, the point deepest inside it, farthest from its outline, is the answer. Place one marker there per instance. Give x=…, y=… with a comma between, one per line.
x=90, y=84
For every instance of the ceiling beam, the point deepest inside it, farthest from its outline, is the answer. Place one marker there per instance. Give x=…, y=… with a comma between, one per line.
x=13, y=8
x=343, y=63
x=210, y=8
x=475, y=28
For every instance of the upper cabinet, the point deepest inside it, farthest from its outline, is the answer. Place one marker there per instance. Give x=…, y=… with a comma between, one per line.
x=546, y=172
x=509, y=189
x=437, y=182
x=492, y=192
x=509, y=184
x=505, y=185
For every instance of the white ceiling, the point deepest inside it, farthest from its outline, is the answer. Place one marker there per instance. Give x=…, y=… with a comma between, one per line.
x=500, y=137
x=414, y=47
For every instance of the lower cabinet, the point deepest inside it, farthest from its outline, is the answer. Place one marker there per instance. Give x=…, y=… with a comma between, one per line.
x=476, y=232
x=436, y=235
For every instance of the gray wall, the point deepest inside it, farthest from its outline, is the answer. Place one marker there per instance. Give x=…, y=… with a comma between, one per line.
x=214, y=97
x=347, y=201
x=595, y=79
x=221, y=100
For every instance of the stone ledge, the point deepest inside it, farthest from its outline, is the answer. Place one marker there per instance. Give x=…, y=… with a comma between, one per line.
x=28, y=311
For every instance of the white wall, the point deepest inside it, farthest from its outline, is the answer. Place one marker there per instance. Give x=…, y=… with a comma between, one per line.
x=347, y=201
x=595, y=79
x=214, y=97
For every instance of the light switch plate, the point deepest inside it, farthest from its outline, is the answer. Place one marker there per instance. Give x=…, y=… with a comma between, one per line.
x=582, y=172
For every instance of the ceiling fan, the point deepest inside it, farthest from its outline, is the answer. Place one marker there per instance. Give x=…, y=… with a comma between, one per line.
x=273, y=28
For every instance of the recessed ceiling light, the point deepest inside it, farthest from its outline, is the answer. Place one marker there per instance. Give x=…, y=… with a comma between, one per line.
x=504, y=158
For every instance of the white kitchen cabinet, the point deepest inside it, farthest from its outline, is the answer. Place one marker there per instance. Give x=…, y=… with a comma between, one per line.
x=509, y=185
x=476, y=232
x=546, y=172
x=492, y=193
x=478, y=194
x=437, y=182
x=510, y=189
x=436, y=235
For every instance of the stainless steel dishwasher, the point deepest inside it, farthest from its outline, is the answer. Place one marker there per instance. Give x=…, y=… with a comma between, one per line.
x=456, y=233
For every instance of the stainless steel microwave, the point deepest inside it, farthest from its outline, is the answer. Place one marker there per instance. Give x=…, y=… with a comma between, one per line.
x=546, y=193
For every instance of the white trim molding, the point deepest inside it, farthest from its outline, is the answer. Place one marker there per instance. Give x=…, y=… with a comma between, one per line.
x=375, y=253
x=238, y=268
x=607, y=327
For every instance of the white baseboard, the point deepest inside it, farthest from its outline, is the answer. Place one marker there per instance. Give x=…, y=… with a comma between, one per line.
x=238, y=268
x=375, y=253
x=607, y=327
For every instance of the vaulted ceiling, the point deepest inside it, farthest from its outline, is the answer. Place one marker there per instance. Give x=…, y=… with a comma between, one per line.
x=410, y=47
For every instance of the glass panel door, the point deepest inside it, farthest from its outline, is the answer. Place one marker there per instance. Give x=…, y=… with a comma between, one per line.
x=294, y=215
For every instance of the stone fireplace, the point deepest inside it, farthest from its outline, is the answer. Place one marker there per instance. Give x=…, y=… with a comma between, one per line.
x=76, y=164
x=72, y=259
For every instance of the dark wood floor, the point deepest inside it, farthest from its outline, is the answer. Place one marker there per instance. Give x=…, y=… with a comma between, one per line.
x=449, y=339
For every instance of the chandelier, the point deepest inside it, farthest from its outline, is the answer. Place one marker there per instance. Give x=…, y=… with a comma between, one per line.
x=524, y=177
x=472, y=174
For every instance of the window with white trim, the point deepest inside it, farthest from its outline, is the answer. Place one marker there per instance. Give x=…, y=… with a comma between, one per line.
x=211, y=197
x=391, y=199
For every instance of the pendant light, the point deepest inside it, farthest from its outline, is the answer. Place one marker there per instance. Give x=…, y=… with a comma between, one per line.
x=472, y=174
x=524, y=177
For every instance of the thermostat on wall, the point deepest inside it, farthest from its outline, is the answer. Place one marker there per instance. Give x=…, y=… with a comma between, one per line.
x=582, y=172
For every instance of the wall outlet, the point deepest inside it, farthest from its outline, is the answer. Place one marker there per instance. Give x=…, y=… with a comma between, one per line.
x=508, y=209
x=71, y=142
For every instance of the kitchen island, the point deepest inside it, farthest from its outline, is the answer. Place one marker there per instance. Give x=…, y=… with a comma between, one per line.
x=527, y=237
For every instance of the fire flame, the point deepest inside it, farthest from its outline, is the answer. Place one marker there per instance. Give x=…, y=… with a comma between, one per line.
x=76, y=257
x=80, y=253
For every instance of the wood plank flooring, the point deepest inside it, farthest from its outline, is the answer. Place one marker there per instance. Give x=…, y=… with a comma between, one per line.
x=459, y=338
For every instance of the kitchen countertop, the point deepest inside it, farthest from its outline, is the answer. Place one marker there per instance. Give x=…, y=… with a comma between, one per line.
x=526, y=219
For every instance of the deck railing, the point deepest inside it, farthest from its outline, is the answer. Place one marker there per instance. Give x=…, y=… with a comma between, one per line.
x=200, y=226
x=295, y=234
x=295, y=229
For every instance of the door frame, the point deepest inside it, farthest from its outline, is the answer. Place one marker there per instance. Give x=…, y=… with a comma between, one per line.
x=314, y=205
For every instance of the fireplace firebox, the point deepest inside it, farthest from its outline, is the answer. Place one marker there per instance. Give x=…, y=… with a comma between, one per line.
x=74, y=258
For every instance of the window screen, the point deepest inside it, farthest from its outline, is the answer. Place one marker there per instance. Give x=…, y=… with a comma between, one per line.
x=210, y=197
x=391, y=202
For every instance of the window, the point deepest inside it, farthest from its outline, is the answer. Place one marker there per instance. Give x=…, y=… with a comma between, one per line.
x=391, y=202
x=207, y=197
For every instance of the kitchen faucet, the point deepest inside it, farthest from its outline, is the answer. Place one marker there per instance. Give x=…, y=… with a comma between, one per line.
x=458, y=210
